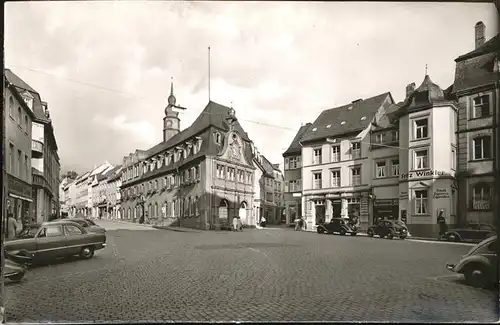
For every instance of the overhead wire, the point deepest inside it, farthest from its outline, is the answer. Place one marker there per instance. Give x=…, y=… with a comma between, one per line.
x=143, y=97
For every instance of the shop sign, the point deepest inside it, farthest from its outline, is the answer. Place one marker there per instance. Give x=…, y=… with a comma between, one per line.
x=403, y=196
x=441, y=193
x=424, y=173
x=297, y=195
x=385, y=202
x=19, y=187
x=481, y=205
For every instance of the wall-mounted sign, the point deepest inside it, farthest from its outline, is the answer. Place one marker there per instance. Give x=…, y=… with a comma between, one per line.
x=297, y=194
x=441, y=193
x=403, y=196
x=19, y=187
x=424, y=173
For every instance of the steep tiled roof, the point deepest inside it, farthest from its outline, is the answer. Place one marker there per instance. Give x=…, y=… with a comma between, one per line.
x=491, y=46
x=294, y=147
x=212, y=115
x=475, y=72
x=266, y=167
x=476, y=68
x=22, y=85
x=357, y=116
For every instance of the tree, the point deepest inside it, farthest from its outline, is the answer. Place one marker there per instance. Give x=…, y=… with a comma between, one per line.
x=70, y=174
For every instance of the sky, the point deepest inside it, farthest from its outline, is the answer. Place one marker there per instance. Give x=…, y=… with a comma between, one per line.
x=105, y=67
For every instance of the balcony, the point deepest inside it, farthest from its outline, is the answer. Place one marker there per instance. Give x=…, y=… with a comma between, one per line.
x=36, y=149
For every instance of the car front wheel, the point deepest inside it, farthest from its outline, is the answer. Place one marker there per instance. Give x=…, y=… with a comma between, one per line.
x=390, y=235
x=87, y=252
x=342, y=232
x=476, y=276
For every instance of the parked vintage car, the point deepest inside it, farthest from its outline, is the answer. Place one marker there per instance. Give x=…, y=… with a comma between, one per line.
x=15, y=266
x=473, y=232
x=88, y=224
x=389, y=229
x=480, y=265
x=56, y=239
x=336, y=225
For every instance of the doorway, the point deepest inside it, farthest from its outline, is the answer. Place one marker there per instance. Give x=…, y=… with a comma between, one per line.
x=242, y=213
x=319, y=207
x=223, y=210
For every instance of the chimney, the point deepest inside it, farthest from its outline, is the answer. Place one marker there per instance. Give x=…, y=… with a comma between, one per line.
x=480, y=28
x=410, y=89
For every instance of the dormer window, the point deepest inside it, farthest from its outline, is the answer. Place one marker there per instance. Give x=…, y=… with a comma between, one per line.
x=328, y=126
x=342, y=123
x=218, y=138
x=363, y=118
x=314, y=129
x=28, y=99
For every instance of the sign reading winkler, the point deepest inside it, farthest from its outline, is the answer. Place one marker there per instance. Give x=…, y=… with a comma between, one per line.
x=423, y=173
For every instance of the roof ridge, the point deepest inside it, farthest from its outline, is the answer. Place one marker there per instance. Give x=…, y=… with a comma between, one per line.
x=490, y=46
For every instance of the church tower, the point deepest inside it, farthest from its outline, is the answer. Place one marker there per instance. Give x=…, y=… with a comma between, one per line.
x=171, y=121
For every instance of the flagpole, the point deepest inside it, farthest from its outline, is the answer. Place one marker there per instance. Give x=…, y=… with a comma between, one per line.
x=209, y=73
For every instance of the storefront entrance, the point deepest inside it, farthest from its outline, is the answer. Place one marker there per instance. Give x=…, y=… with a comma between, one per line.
x=336, y=208
x=385, y=209
x=319, y=207
x=354, y=207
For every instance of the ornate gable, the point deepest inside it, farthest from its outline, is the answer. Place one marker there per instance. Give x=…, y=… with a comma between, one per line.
x=234, y=148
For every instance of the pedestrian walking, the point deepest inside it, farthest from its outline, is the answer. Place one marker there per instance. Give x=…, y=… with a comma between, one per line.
x=13, y=227
x=235, y=223
x=239, y=224
x=442, y=223
x=263, y=221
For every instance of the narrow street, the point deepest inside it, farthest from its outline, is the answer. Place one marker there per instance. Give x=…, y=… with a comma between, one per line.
x=257, y=275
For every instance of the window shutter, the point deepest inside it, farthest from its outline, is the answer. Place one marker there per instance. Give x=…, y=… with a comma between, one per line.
x=286, y=163
x=298, y=162
x=299, y=186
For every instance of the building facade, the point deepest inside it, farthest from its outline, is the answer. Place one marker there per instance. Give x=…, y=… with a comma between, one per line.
x=19, y=148
x=268, y=188
x=427, y=137
x=112, y=193
x=200, y=177
x=293, y=177
x=336, y=171
x=477, y=90
x=279, y=193
x=101, y=195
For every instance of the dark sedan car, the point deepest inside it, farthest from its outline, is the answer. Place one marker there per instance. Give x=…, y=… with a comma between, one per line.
x=336, y=225
x=389, y=229
x=56, y=239
x=88, y=224
x=473, y=232
x=480, y=265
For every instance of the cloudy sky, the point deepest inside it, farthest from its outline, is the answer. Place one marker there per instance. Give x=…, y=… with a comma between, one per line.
x=105, y=67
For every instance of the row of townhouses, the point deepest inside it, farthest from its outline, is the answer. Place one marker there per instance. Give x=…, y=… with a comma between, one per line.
x=375, y=158
x=31, y=154
x=200, y=177
x=94, y=194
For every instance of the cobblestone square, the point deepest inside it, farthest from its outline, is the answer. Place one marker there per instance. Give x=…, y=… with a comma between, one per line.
x=256, y=275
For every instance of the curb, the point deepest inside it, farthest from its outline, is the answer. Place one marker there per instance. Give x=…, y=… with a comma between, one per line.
x=176, y=229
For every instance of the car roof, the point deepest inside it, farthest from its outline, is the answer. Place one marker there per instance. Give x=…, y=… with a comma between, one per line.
x=62, y=222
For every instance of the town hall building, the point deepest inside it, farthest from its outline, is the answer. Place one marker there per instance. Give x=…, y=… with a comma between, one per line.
x=200, y=177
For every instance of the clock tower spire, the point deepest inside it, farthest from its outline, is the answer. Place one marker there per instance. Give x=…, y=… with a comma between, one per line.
x=171, y=121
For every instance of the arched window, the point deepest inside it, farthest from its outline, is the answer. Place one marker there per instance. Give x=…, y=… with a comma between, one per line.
x=218, y=138
x=129, y=213
x=190, y=208
x=11, y=106
x=156, y=210
x=19, y=115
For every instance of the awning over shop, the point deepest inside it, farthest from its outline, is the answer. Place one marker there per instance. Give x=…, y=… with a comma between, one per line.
x=20, y=197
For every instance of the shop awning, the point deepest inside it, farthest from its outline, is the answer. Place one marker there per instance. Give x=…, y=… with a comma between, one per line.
x=20, y=197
